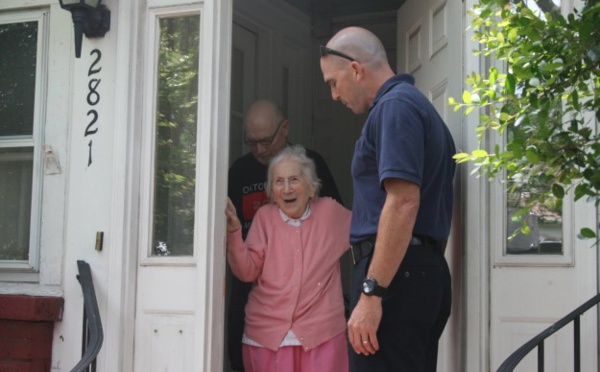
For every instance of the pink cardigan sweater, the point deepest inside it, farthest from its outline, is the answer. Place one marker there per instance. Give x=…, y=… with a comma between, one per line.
x=296, y=274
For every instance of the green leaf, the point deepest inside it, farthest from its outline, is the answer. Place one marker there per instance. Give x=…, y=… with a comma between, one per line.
x=558, y=191
x=466, y=96
x=512, y=35
x=575, y=100
x=586, y=233
x=580, y=191
x=461, y=156
x=493, y=75
x=532, y=155
x=510, y=84
x=500, y=37
x=479, y=154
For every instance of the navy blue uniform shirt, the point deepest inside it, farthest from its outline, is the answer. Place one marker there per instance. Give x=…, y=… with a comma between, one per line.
x=405, y=138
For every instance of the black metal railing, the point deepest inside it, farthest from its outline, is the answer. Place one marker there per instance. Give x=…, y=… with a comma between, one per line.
x=538, y=341
x=92, y=325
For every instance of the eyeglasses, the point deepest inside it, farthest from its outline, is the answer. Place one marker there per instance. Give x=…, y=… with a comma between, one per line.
x=265, y=141
x=325, y=51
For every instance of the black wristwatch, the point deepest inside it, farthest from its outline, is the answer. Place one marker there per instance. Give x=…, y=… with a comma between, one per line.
x=370, y=287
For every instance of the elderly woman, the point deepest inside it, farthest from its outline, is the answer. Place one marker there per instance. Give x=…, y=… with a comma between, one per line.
x=295, y=312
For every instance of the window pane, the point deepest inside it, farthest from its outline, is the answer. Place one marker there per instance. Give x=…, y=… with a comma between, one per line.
x=175, y=158
x=16, y=169
x=544, y=222
x=546, y=6
x=18, y=43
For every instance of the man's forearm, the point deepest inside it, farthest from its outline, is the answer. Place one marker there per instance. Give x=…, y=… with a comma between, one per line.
x=395, y=230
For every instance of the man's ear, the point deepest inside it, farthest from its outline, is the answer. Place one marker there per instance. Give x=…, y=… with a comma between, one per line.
x=357, y=70
x=285, y=128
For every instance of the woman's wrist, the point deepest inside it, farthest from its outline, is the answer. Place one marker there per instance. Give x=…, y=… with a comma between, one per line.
x=233, y=229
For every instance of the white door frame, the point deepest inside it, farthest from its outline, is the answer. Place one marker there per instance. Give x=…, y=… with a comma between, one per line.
x=214, y=107
x=476, y=212
x=213, y=118
x=214, y=100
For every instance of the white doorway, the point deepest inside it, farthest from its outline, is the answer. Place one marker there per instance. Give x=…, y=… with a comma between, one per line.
x=179, y=305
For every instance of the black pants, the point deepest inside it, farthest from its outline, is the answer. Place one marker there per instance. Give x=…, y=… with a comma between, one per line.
x=416, y=308
x=239, y=292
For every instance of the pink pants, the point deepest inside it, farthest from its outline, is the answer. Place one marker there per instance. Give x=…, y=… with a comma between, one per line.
x=331, y=356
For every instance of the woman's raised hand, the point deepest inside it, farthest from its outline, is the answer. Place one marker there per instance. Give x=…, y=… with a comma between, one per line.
x=233, y=222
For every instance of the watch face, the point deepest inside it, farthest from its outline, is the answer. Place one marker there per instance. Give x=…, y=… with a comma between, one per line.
x=368, y=285
x=372, y=288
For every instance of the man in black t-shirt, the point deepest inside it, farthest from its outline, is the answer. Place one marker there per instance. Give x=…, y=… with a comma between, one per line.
x=265, y=132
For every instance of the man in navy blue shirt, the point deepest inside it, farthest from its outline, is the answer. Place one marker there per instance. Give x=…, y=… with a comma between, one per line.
x=403, y=172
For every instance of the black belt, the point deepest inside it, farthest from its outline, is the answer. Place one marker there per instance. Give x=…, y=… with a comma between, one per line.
x=363, y=249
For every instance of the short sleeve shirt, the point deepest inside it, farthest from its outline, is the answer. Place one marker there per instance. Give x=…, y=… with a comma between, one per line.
x=404, y=138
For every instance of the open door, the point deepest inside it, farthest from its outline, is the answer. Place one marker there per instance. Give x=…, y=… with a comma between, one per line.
x=184, y=146
x=430, y=48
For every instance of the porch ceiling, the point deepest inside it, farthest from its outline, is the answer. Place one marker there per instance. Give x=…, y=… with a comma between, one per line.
x=334, y=8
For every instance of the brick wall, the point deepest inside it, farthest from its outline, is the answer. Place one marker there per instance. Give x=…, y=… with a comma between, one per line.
x=26, y=328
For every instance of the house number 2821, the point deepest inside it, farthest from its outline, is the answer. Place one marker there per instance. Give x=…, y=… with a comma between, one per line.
x=93, y=97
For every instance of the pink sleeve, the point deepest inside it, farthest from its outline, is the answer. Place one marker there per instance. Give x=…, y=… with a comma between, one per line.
x=340, y=217
x=344, y=217
x=246, y=259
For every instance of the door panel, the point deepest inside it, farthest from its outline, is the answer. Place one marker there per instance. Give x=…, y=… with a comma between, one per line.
x=243, y=85
x=167, y=267
x=531, y=291
x=179, y=306
x=430, y=48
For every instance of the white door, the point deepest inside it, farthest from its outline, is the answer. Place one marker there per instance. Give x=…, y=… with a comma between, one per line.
x=430, y=48
x=184, y=147
x=538, y=278
x=533, y=280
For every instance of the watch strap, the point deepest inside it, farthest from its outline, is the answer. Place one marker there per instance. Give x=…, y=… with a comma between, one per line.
x=377, y=289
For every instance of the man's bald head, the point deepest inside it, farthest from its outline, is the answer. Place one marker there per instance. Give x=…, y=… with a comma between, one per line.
x=362, y=45
x=265, y=130
x=262, y=113
x=355, y=66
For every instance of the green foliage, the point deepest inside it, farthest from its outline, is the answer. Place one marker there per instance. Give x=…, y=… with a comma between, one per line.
x=546, y=104
x=176, y=136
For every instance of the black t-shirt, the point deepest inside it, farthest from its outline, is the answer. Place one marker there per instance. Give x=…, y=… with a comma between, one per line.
x=248, y=183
